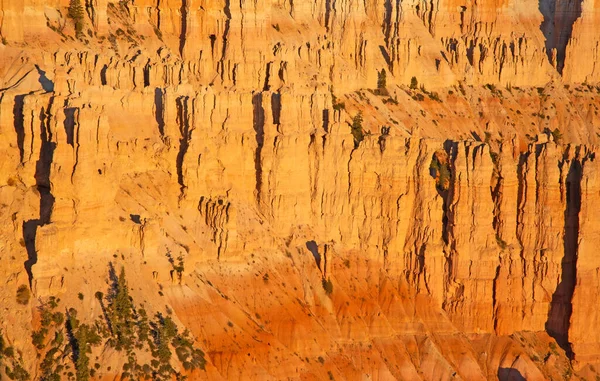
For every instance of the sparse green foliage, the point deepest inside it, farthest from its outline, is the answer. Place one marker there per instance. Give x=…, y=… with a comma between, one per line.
x=357, y=130
x=85, y=337
x=382, y=83
x=414, y=84
x=382, y=79
x=556, y=134
x=77, y=13
x=441, y=172
x=120, y=313
x=337, y=106
x=23, y=294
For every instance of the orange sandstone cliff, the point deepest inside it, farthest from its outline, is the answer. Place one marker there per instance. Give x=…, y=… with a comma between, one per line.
x=327, y=189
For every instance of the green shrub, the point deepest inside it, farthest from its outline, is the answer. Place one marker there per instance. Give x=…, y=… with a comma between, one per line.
x=441, y=171
x=357, y=130
x=76, y=13
x=382, y=83
x=414, y=84
x=23, y=294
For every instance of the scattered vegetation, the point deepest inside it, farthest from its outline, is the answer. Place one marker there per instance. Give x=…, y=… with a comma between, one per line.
x=494, y=90
x=556, y=134
x=10, y=364
x=23, y=294
x=338, y=106
x=178, y=267
x=122, y=327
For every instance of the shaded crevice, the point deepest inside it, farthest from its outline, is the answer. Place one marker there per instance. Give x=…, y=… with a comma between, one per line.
x=387, y=21
x=103, y=75
x=19, y=124
x=326, y=120
x=227, y=11
x=159, y=111
x=314, y=250
x=561, y=307
x=557, y=27
x=182, y=36
x=494, y=297
x=327, y=13
x=183, y=120
x=259, y=129
x=69, y=125
x=42, y=179
x=276, y=107
x=147, y=74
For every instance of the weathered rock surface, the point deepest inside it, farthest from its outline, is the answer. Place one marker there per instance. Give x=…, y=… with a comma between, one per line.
x=454, y=238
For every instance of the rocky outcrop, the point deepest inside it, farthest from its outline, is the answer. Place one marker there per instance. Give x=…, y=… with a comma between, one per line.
x=315, y=189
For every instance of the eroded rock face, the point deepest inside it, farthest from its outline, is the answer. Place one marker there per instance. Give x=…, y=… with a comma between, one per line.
x=207, y=147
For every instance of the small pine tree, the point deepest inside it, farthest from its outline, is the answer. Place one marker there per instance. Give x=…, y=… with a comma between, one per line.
x=121, y=314
x=357, y=130
x=382, y=82
x=414, y=84
x=76, y=12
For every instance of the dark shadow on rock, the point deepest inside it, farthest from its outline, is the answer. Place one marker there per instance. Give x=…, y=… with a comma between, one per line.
x=18, y=123
x=159, y=111
x=559, y=316
x=557, y=27
x=47, y=84
x=259, y=129
x=183, y=121
x=276, y=107
x=183, y=35
x=69, y=125
x=29, y=235
x=42, y=180
x=314, y=249
x=510, y=374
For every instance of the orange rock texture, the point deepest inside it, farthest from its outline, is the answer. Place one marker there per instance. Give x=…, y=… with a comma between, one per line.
x=316, y=189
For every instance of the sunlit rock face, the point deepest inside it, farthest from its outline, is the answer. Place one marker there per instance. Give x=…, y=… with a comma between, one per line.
x=314, y=189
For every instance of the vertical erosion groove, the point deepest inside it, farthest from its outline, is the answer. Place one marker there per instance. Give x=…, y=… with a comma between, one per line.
x=561, y=308
x=159, y=111
x=557, y=27
x=276, y=107
x=183, y=120
x=227, y=11
x=18, y=123
x=259, y=125
x=42, y=179
x=182, y=36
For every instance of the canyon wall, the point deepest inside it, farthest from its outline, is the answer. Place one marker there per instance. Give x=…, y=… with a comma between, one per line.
x=457, y=228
